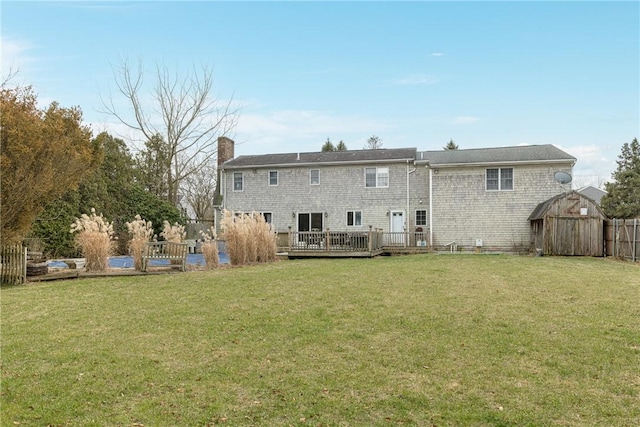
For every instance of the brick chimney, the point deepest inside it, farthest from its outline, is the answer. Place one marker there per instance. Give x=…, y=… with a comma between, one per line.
x=225, y=152
x=225, y=149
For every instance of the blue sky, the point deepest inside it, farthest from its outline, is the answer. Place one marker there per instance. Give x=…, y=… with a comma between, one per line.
x=416, y=74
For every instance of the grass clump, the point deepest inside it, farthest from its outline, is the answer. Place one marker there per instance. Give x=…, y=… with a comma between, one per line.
x=248, y=238
x=94, y=239
x=141, y=232
x=210, y=249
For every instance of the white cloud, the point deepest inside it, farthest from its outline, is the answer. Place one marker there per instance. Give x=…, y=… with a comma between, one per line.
x=14, y=55
x=299, y=130
x=415, y=80
x=594, y=164
x=437, y=54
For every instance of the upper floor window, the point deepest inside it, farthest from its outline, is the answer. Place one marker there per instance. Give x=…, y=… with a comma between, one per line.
x=273, y=177
x=499, y=179
x=314, y=176
x=238, y=181
x=354, y=218
x=376, y=177
x=421, y=217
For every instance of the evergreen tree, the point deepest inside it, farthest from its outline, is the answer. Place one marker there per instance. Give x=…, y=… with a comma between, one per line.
x=341, y=146
x=451, y=145
x=623, y=194
x=328, y=146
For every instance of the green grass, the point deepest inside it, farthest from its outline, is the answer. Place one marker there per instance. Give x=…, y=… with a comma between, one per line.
x=445, y=340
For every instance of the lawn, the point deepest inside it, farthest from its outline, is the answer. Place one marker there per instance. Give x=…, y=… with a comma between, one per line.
x=444, y=340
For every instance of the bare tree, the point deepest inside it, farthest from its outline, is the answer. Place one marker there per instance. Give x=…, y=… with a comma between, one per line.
x=373, y=143
x=181, y=109
x=199, y=190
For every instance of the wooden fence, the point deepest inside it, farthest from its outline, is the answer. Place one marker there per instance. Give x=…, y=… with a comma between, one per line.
x=13, y=265
x=622, y=238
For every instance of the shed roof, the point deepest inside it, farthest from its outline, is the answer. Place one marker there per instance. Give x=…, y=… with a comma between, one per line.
x=541, y=209
x=322, y=158
x=498, y=155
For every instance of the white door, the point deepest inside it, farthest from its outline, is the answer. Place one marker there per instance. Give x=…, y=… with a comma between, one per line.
x=397, y=227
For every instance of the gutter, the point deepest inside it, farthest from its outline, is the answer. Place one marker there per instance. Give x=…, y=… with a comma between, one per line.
x=306, y=164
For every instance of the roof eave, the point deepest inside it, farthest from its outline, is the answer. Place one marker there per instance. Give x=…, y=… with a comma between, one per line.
x=494, y=163
x=307, y=164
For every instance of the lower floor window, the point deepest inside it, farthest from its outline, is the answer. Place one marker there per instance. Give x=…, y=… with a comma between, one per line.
x=268, y=217
x=421, y=217
x=354, y=218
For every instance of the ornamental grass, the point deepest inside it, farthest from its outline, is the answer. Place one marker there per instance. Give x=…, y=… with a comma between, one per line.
x=210, y=249
x=248, y=238
x=94, y=239
x=141, y=232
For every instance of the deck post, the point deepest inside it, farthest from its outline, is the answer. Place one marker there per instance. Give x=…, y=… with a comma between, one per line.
x=327, y=241
x=290, y=241
x=370, y=236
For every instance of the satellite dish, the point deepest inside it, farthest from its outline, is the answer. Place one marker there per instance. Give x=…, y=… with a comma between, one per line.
x=562, y=177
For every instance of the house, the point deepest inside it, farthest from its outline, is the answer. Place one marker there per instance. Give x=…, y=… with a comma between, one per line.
x=482, y=198
x=463, y=198
x=593, y=193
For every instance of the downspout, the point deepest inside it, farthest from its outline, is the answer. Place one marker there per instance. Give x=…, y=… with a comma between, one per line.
x=406, y=221
x=430, y=207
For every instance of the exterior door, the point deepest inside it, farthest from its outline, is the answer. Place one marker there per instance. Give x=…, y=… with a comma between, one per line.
x=310, y=222
x=397, y=226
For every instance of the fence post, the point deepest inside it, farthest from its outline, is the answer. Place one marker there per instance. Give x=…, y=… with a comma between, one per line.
x=370, y=236
x=635, y=239
x=290, y=241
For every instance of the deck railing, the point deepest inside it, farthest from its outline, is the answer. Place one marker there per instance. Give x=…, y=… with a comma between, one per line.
x=343, y=241
x=405, y=239
x=354, y=241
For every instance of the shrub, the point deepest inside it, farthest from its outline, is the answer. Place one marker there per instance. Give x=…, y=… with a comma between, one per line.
x=249, y=238
x=210, y=249
x=94, y=240
x=141, y=232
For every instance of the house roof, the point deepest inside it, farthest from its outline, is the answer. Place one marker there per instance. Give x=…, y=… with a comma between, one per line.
x=497, y=155
x=592, y=192
x=322, y=158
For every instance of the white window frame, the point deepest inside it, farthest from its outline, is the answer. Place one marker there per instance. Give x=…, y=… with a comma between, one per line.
x=382, y=174
x=500, y=179
x=241, y=175
x=311, y=177
x=355, y=215
x=420, y=224
x=277, y=175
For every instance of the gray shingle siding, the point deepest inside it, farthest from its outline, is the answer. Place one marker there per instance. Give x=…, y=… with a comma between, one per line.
x=462, y=211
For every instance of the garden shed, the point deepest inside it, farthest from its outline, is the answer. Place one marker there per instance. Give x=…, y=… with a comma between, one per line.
x=568, y=224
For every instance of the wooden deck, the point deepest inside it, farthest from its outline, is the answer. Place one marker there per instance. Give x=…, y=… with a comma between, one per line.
x=353, y=244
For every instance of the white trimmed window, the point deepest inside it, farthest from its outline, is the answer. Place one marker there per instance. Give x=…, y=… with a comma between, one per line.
x=354, y=218
x=273, y=178
x=314, y=176
x=499, y=179
x=238, y=181
x=376, y=177
x=421, y=217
